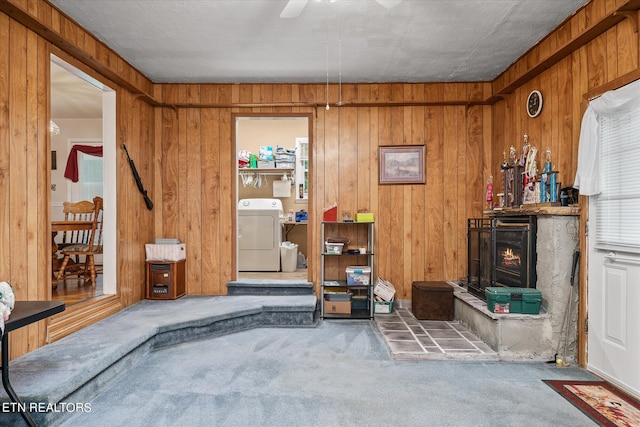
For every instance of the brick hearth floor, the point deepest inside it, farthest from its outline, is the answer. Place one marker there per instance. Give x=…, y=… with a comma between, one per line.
x=412, y=339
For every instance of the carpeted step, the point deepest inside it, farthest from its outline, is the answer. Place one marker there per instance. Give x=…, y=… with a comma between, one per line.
x=76, y=367
x=269, y=287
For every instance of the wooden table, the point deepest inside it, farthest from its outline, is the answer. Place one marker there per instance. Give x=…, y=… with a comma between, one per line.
x=57, y=226
x=24, y=313
x=290, y=225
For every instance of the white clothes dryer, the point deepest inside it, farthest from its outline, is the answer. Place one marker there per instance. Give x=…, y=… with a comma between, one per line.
x=260, y=223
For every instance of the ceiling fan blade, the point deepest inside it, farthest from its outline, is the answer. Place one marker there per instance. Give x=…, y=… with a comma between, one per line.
x=389, y=3
x=293, y=9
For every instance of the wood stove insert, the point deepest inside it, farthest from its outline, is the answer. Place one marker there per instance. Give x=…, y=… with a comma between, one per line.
x=501, y=252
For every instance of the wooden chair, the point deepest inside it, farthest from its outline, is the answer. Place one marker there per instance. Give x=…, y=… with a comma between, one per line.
x=92, y=247
x=76, y=211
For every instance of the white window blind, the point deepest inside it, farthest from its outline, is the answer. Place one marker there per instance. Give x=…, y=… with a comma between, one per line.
x=618, y=226
x=89, y=176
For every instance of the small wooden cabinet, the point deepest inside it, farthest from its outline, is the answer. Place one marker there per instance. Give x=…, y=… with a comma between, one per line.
x=165, y=279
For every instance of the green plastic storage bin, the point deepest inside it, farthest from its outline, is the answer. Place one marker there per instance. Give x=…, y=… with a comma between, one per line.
x=513, y=300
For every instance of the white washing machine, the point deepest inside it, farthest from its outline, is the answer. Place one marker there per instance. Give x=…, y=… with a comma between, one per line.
x=260, y=224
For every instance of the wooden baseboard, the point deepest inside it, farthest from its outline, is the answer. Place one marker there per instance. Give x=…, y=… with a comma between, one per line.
x=81, y=315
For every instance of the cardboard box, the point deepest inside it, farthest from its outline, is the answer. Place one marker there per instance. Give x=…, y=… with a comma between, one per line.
x=513, y=300
x=384, y=290
x=337, y=307
x=364, y=217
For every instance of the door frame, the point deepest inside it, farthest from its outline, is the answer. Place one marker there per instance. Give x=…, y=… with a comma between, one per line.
x=109, y=144
x=234, y=192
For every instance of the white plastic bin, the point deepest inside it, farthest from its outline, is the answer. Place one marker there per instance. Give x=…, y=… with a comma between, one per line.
x=358, y=275
x=288, y=257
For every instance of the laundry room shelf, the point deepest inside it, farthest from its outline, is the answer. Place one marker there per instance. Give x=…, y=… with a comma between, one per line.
x=271, y=171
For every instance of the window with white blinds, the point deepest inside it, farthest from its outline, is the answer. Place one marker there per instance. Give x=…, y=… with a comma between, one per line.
x=618, y=205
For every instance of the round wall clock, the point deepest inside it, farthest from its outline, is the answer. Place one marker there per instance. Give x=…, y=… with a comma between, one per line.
x=534, y=103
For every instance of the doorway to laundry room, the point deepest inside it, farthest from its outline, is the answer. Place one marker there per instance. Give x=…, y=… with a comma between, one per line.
x=273, y=197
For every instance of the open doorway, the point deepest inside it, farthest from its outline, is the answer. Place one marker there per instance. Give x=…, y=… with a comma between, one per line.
x=82, y=115
x=273, y=197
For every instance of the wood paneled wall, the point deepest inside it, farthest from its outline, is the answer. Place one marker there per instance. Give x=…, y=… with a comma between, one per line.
x=24, y=171
x=421, y=229
x=25, y=232
x=564, y=84
x=136, y=128
x=606, y=61
x=180, y=137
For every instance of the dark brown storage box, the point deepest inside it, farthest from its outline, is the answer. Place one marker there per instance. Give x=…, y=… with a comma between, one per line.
x=432, y=300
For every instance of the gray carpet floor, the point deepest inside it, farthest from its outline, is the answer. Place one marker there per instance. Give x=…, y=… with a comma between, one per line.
x=338, y=374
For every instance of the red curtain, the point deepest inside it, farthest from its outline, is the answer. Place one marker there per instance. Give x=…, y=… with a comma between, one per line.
x=71, y=171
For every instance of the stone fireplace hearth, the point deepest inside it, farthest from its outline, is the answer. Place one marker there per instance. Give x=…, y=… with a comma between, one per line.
x=533, y=336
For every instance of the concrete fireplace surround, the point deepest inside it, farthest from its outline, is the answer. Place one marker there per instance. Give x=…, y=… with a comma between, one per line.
x=536, y=337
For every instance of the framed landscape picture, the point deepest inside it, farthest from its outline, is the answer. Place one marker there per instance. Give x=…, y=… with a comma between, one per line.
x=402, y=164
